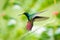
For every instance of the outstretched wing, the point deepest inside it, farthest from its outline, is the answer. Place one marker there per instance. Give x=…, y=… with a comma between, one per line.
x=40, y=12
x=36, y=14
x=39, y=18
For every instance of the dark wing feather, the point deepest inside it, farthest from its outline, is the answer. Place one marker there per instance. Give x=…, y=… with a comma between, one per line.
x=39, y=18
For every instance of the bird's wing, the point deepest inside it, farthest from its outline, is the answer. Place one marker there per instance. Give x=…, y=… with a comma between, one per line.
x=39, y=18
x=37, y=13
x=41, y=12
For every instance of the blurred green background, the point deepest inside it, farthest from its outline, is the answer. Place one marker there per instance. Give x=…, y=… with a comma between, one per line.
x=13, y=27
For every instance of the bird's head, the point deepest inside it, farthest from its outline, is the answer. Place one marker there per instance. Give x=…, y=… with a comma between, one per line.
x=26, y=14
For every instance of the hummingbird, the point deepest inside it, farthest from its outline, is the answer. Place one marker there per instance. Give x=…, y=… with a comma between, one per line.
x=33, y=17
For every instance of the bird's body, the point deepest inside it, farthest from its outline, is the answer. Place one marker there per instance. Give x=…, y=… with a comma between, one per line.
x=29, y=25
x=30, y=22
x=31, y=18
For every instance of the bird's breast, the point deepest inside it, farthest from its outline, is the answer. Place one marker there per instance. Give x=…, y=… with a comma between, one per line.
x=29, y=25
